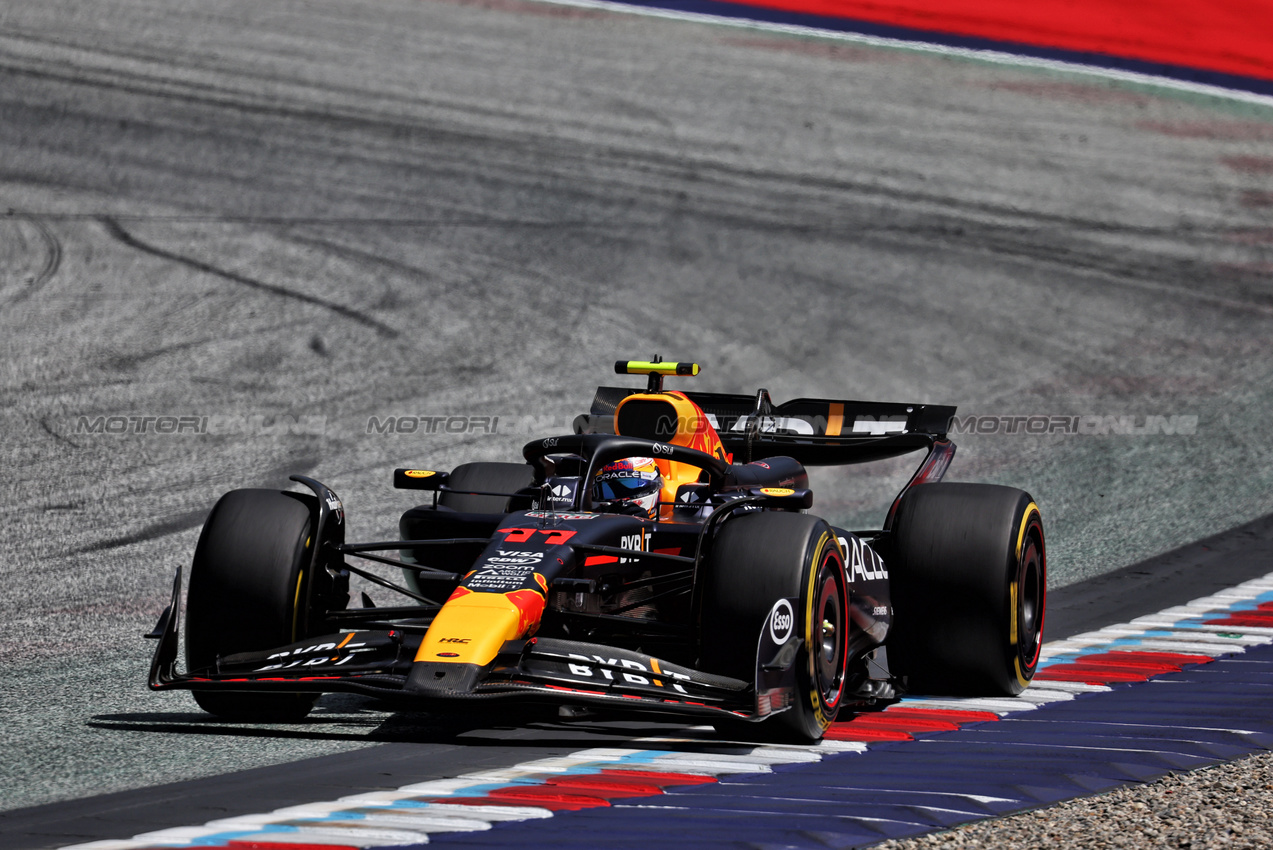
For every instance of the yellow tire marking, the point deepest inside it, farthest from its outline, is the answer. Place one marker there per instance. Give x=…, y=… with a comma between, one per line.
x=1025, y=520
x=809, y=603
x=1013, y=636
x=296, y=603
x=815, y=698
x=1012, y=600
x=1016, y=668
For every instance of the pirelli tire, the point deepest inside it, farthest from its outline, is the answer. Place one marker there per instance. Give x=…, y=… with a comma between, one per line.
x=756, y=560
x=486, y=477
x=250, y=590
x=968, y=579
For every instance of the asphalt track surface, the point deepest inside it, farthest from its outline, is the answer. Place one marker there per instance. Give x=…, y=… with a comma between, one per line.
x=347, y=210
x=430, y=748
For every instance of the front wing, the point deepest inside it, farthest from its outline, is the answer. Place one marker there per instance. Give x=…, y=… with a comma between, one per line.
x=382, y=664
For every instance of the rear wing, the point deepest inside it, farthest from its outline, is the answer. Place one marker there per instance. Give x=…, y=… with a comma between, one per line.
x=816, y=432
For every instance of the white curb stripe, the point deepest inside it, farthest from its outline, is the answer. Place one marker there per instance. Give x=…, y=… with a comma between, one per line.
x=996, y=57
x=409, y=814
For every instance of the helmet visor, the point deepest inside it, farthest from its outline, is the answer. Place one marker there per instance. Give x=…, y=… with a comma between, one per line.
x=625, y=484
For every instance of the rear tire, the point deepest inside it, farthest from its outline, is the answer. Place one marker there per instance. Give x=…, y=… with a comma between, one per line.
x=490, y=477
x=249, y=591
x=756, y=560
x=968, y=577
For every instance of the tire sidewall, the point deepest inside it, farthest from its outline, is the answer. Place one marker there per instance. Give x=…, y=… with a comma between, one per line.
x=757, y=559
x=959, y=589
x=486, y=476
x=819, y=700
x=250, y=589
x=1027, y=594
x=222, y=618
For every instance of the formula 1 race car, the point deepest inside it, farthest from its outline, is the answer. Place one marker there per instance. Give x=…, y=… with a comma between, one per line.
x=660, y=559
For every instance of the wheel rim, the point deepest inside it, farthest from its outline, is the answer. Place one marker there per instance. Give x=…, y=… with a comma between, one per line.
x=1030, y=591
x=828, y=633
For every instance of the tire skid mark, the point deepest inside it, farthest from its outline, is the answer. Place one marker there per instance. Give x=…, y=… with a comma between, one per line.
x=52, y=432
x=52, y=259
x=119, y=233
x=173, y=525
x=700, y=780
x=389, y=119
x=184, y=521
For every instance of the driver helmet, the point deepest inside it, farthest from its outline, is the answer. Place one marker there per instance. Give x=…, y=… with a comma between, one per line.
x=631, y=485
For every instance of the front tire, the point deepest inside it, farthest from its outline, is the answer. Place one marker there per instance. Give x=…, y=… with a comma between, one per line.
x=249, y=590
x=968, y=577
x=756, y=560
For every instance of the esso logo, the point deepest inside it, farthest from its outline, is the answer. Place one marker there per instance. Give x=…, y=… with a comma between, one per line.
x=782, y=622
x=662, y=449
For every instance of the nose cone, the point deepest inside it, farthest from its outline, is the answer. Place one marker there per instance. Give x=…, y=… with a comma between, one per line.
x=471, y=627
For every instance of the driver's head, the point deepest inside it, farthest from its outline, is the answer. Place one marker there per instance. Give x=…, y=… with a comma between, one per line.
x=631, y=485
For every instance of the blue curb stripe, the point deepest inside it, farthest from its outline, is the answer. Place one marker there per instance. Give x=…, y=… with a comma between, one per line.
x=1178, y=721
x=1109, y=61
x=1058, y=741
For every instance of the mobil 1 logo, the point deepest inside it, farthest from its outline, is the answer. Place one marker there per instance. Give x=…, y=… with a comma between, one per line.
x=504, y=571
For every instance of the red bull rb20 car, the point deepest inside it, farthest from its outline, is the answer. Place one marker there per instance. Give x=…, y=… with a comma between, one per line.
x=660, y=559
